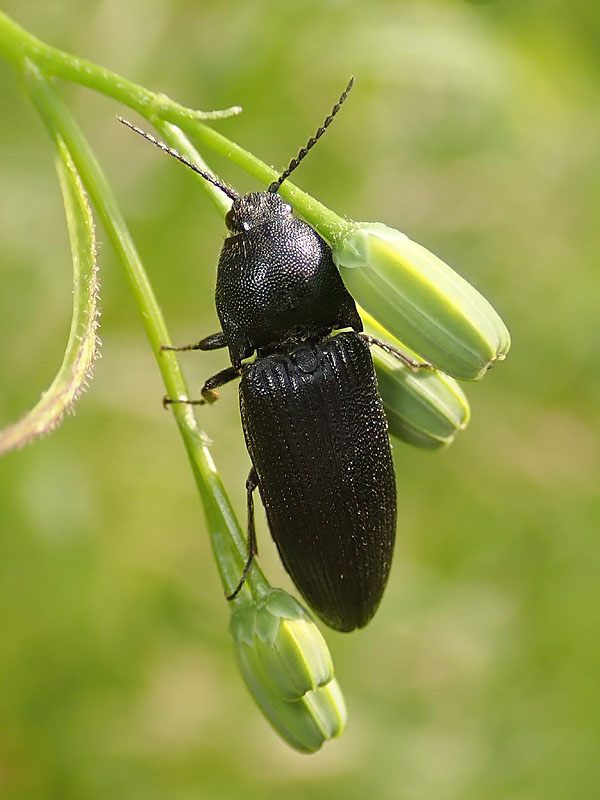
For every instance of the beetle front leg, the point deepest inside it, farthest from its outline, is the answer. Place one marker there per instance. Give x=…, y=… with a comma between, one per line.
x=213, y=342
x=251, y=485
x=407, y=360
x=209, y=395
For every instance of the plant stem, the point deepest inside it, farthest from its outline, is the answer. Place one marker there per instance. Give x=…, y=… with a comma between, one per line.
x=228, y=543
x=18, y=46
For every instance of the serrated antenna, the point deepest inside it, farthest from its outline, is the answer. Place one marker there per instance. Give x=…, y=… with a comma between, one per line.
x=231, y=193
x=313, y=139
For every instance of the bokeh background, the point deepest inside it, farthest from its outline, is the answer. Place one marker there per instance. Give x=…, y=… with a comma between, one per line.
x=473, y=127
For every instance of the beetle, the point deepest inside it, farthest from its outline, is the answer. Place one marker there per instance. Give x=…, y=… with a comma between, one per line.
x=311, y=414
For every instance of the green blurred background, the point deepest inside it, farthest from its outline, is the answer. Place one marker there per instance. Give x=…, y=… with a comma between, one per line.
x=473, y=127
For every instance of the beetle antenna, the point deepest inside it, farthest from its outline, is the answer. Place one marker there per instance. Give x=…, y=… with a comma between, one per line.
x=231, y=193
x=313, y=139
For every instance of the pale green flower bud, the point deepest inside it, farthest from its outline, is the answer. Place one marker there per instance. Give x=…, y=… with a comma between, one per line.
x=425, y=408
x=421, y=300
x=287, y=667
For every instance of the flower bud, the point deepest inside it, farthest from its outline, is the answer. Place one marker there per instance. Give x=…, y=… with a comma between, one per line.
x=425, y=408
x=287, y=667
x=421, y=300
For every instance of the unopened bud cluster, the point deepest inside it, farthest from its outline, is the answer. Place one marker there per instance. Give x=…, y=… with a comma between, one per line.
x=287, y=667
x=413, y=300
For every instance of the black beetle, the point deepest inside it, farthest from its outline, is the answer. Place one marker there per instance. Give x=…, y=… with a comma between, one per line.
x=312, y=417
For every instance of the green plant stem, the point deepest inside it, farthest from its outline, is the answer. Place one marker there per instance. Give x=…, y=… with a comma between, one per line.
x=227, y=540
x=18, y=45
x=81, y=348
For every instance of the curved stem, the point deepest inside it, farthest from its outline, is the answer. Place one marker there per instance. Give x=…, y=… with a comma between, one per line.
x=18, y=45
x=227, y=540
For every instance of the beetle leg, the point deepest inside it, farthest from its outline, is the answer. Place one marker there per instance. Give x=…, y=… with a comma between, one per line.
x=209, y=395
x=168, y=401
x=213, y=342
x=220, y=379
x=409, y=361
x=251, y=485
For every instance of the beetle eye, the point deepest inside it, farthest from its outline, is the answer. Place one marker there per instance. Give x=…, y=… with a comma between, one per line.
x=230, y=219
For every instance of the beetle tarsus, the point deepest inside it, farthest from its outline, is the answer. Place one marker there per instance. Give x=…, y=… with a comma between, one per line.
x=169, y=401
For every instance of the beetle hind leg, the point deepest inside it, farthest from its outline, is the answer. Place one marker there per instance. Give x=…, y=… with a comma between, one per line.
x=251, y=485
x=412, y=363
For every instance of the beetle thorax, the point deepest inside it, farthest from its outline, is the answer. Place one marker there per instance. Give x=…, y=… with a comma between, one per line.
x=276, y=279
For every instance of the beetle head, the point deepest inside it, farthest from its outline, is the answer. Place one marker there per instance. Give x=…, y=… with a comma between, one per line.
x=256, y=209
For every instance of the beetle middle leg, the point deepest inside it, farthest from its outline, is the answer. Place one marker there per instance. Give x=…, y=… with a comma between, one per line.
x=412, y=363
x=209, y=395
x=251, y=485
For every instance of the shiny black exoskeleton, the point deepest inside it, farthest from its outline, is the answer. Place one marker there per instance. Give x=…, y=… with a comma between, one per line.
x=276, y=280
x=317, y=436
x=312, y=417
